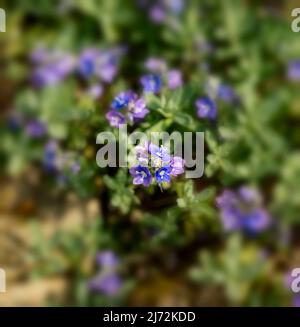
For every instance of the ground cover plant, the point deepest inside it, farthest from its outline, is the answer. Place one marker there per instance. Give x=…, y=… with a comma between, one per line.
x=229, y=69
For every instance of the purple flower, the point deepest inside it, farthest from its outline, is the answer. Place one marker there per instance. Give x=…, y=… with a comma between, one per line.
x=156, y=65
x=108, y=72
x=242, y=210
x=107, y=259
x=52, y=68
x=176, y=6
x=115, y=118
x=228, y=204
x=177, y=166
x=159, y=152
x=39, y=56
x=137, y=109
x=108, y=284
x=51, y=74
x=95, y=91
x=249, y=195
x=296, y=301
x=102, y=64
x=206, y=108
x=65, y=65
x=35, y=129
x=142, y=154
x=106, y=66
x=256, y=221
x=163, y=174
x=75, y=167
x=227, y=93
x=174, y=79
x=87, y=59
x=122, y=100
x=50, y=156
x=45, y=76
x=293, y=71
x=151, y=83
x=157, y=14
x=141, y=175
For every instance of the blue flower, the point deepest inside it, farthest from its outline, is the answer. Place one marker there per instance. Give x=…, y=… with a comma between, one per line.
x=157, y=14
x=107, y=259
x=159, y=152
x=177, y=166
x=156, y=65
x=35, y=129
x=293, y=71
x=50, y=156
x=87, y=67
x=256, y=221
x=137, y=109
x=243, y=210
x=141, y=175
x=87, y=62
x=115, y=118
x=163, y=174
x=102, y=64
x=108, y=284
x=151, y=83
x=175, y=6
x=95, y=91
x=206, y=108
x=52, y=68
x=227, y=93
x=174, y=79
x=122, y=100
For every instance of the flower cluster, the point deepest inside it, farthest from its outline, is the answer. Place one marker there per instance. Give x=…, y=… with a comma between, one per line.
x=126, y=106
x=155, y=163
x=102, y=65
x=94, y=65
x=51, y=67
x=34, y=128
x=159, y=74
x=107, y=280
x=243, y=210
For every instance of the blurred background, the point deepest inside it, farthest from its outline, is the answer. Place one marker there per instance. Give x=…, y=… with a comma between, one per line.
x=74, y=234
